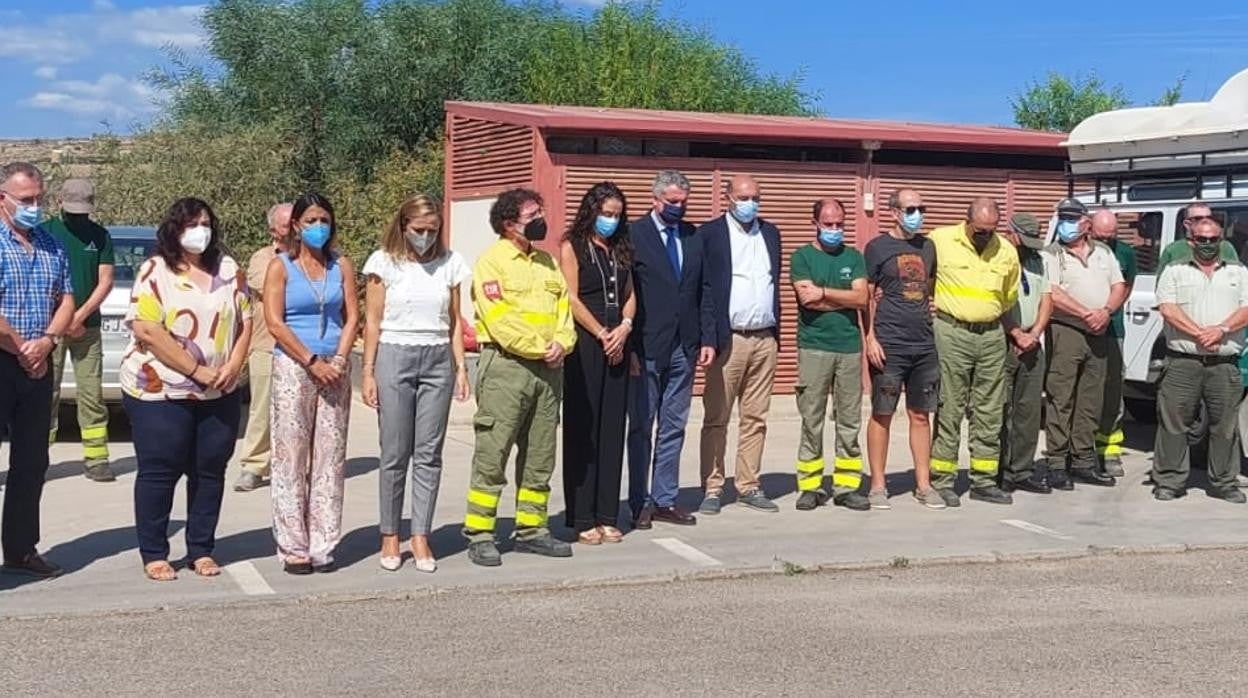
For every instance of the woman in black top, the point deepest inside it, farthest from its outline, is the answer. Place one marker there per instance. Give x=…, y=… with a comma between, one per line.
x=596, y=258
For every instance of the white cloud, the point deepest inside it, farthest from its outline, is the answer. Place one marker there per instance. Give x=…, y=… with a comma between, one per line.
x=46, y=72
x=71, y=38
x=110, y=97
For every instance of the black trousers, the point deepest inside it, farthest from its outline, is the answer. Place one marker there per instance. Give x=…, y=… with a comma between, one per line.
x=25, y=417
x=595, y=405
x=172, y=439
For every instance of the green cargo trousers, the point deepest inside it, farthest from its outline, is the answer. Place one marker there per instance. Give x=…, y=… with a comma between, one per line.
x=1109, y=436
x=87, y=354
x=1185, y=383
x=1020, y=426
x=517, y=405
x=1074, y=391
x=972, y=377
x=818, y=373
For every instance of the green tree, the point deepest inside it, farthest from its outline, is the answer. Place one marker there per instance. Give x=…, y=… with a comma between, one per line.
x=1059, y=103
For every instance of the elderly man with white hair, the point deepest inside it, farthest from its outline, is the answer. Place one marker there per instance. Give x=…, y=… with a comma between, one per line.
x=256, y=447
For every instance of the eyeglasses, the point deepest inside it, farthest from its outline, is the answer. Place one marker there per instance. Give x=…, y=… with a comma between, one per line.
x=984, y=232
x=911, y=210
x=1202, y=240
x=1201, y=219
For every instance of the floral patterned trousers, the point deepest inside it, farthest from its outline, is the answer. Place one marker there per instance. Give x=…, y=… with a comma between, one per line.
x=309, y=427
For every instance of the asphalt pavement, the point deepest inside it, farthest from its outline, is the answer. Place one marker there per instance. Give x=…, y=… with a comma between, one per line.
x=1130, y=625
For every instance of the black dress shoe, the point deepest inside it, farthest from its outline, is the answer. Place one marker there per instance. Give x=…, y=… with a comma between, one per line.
x=673, y=515
x=33, y=565
x=1059, y=480
x=1032, y=484
x=299, y=568
x=1090, y=476
x=642, y=521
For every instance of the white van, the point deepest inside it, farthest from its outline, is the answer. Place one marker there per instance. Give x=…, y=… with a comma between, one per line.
x=1146, y=164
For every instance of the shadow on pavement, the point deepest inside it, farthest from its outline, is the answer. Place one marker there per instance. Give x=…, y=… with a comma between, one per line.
x=79, y=553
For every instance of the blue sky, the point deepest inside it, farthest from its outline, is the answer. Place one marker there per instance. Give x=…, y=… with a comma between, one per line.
x=69, y=66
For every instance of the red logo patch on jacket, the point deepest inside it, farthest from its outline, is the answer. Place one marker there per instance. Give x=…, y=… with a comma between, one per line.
x=493, y=290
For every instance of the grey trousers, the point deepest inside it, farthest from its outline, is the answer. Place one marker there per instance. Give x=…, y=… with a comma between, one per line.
x=1185, y=384
x=414, y=387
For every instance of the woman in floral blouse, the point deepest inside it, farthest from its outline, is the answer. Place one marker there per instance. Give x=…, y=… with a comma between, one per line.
x=190, y=323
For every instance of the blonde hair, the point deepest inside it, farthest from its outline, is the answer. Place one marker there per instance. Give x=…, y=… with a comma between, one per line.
x=393, y=241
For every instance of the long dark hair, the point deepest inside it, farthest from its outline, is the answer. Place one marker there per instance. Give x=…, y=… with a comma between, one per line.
x=182, y=215
x=582, y=230
x=301, y=205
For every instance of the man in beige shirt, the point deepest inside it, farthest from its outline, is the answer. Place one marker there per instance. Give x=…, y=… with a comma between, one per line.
x=1087, y=288
x=255, y=458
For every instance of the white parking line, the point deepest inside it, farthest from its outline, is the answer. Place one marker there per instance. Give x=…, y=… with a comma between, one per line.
x=680, y=548
x=1035, y=528
x=248, y=578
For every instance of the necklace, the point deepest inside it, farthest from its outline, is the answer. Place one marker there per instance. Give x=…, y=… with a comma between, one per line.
x=319, y=296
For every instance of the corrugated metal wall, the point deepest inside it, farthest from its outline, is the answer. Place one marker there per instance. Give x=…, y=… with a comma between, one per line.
x=486, y=158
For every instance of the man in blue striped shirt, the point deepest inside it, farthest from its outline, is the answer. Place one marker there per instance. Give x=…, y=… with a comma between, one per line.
x=36, y=307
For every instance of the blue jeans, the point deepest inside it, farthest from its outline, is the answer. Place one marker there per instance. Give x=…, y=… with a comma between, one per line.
x=173, y=438
x=663, y=393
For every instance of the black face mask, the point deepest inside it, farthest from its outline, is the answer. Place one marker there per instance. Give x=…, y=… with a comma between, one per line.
x=672, y=213
x=535, y=230
x=981, y=239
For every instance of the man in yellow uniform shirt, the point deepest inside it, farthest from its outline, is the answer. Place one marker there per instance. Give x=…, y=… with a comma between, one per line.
x=977, y=278
x=524, y=325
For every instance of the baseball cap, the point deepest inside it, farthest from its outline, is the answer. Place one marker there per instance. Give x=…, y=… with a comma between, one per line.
x=78, y=196
x=1071, y=207
x=1028, y=229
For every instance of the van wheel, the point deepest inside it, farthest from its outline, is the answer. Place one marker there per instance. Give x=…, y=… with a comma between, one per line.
x=1142, y=411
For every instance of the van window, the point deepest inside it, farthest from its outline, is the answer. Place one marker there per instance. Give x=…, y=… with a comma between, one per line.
x=1142, y=231
x=1235, y=227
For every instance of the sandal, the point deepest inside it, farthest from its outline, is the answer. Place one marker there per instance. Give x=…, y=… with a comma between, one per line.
x=610, y=534
x=160, y=571
x=590, y=537
x=205, y=567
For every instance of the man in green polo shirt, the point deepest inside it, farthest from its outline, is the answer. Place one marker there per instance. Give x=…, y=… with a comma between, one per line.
x=90, y=252
x=1109, y=436
x=830, y=280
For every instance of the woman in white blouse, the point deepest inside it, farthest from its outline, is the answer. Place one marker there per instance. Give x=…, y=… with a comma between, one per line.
x=413, y=363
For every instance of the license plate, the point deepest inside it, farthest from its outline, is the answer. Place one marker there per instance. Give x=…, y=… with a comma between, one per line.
x=112, y=325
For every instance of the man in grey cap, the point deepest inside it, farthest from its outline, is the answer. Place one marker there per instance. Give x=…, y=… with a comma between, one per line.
x=1024, y=364
x=90, y=252
x=1087, y=287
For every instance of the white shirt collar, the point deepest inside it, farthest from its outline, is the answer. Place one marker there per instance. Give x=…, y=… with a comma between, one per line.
x=735, y=225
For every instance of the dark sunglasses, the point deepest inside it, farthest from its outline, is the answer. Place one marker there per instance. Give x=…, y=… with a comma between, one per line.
x=911, y=210
x=1202, y=240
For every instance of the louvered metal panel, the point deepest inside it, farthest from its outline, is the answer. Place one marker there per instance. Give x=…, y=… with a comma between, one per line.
x=946, y=191
x=488, y=157
x=1038, y=193
x=787, y=200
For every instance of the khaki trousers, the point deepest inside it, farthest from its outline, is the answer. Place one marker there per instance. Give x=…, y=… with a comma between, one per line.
x=743, y=374
x=256, y=445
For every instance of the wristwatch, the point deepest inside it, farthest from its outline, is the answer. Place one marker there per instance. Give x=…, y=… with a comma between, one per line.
x=56, y=338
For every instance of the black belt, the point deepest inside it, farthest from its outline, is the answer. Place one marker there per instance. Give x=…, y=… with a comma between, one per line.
x=976, y=327
x=1204, y=359
x=751, y=333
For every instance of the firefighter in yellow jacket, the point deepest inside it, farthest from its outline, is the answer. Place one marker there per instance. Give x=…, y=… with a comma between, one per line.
x=524, y=325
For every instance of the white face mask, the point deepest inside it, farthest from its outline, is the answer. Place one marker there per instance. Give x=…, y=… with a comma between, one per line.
x=195, y=240
x=421, y=242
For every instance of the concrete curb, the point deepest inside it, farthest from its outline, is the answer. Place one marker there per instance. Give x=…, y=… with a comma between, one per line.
x=777, y=568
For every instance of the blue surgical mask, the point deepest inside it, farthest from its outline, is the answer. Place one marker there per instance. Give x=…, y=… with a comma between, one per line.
x=606, y=225
x=316, y=235
x=27, y=217
x=672, y=213
x=1068, y=231
x=912, y=222
x=831, y=238
x=745, y=211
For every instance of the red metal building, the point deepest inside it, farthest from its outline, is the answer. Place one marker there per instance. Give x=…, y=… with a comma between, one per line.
x=562, y=151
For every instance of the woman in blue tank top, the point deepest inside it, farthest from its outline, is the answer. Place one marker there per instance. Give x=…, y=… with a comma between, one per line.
x=311, y=309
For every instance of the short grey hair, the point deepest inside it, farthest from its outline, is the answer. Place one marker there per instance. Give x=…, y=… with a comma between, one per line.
x=668, y=178
x=13, y=169
x=272, y=217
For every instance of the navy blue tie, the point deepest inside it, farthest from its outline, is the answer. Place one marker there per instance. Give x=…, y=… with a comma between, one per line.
x=673, y=250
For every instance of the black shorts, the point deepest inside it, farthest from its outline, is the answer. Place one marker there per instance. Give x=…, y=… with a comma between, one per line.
x=919, y=374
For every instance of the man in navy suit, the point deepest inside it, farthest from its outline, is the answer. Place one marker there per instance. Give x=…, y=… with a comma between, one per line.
x=676, y=327
x=743, y=263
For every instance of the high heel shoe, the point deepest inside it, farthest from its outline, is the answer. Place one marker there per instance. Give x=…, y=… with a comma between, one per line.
x=391, y=564
x=426, y=564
